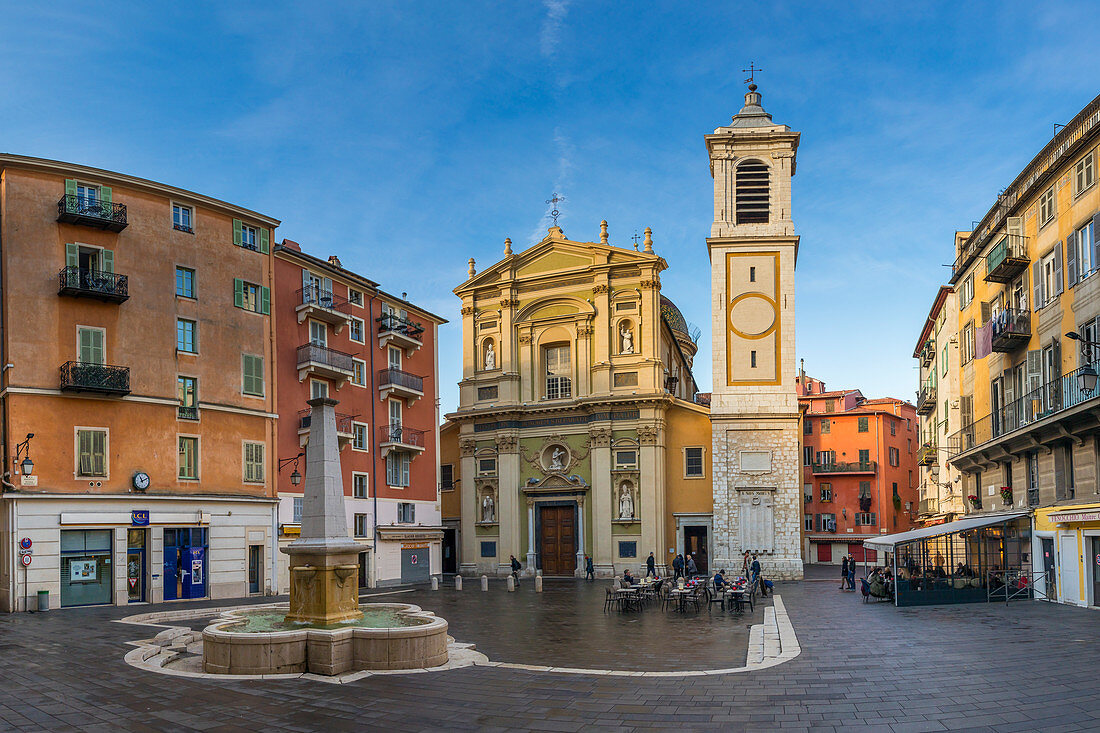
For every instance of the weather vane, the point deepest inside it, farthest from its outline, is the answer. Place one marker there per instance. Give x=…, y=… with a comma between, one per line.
x=554, y=202
x=751, y=71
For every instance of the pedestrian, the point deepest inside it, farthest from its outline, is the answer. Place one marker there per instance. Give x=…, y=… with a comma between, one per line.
x=745, y=565
x=692, y=568
x=678, y=567
x=651, y=566
x=515, y=569
x=851, y=573
x=589, y=570
x=844, y=573
x=755, y=568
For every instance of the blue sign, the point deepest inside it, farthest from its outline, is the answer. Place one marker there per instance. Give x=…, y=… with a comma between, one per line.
x=139, y=517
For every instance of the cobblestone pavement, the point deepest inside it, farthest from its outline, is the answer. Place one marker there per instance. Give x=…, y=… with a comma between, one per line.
x=1027, y=666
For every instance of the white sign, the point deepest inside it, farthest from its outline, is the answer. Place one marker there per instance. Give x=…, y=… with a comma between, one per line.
x=25, y=552
x=26, y=480
x=81, y=571
x=1075, y=517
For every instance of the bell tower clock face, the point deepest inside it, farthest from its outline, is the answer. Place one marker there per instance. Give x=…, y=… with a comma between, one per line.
x=753, y=318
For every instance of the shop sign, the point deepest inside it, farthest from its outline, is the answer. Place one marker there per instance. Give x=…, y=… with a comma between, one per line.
x=1092, y=516
x=414, y=545
x=139, y=518
x=82, y=571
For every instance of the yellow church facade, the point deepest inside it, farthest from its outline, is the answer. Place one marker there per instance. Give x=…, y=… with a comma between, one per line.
x=578, y=432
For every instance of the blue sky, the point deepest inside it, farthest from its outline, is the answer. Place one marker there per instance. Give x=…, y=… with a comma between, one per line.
x=408, y=137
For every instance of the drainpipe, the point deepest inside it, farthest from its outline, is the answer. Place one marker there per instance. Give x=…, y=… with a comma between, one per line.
x=273, y=457
x=373, y=424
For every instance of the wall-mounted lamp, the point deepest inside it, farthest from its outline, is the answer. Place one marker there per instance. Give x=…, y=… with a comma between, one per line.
x=295, y=477
x=26, y=466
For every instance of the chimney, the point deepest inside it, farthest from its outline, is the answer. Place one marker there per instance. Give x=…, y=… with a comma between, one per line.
x=334, y=261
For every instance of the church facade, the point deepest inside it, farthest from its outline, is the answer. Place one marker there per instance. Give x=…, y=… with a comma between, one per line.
x=755, y=416
x=577, y=433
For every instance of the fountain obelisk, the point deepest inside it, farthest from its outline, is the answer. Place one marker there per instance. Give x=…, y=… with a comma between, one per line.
x=324, y=560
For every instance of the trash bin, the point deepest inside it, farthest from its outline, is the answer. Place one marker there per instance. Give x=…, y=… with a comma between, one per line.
x=43, y=600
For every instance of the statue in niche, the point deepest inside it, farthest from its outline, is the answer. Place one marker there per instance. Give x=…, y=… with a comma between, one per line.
x=488, y=508
x=490, y=356
x=557, y=459
x=627, y=345
x=626, y=501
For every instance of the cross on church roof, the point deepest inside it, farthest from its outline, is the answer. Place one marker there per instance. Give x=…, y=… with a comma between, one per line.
x=554, y=202
x=751, y=71
x=636, y=238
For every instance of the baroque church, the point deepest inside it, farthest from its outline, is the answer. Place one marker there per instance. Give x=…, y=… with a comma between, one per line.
x=580, y=431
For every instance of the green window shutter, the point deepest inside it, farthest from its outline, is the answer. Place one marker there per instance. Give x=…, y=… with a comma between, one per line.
x=108, y=260
x=265, y=301
x=72, y=255
x=238, y=292
x=238, y=237
x=265, y=245
x=105, y=196
x=70, y=187
x=91, y=346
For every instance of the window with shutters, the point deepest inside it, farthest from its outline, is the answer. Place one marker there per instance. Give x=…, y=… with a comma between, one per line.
x=251, y=237
x=966, y=410
x=866, y=519
x=254, y=463
x=406, y=512
x=807, y=455
x=397, y=469
x=864, y=490
x=359, y=437
x=826, y=492
x=864, y=456
x=1050, y=277
x=826, y=457
x=91, y=453
x=753, y=192
x=251, y=297
x=894, y=456
x=296, y=511
x=863, y=425
x=1084, y=173
x=826, y=426
x=252, y=375
x=360, y=486
x=1033, y=479
x=1046, y=207
x=91, y=345
x=893, y=427
x=968, y=342
x=943, y=361
x=186, y=336
x=830, y=406
x=826, y=523
x=188, y=457
x=361, y=525
x=181, y=218
x=808, y=523
x=966, y=292
x=1079, y=254
x=558, y=372
x=185, y=282
x=807, y=426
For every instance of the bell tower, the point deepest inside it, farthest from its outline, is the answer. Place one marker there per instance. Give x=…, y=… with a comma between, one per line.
x=755, y=421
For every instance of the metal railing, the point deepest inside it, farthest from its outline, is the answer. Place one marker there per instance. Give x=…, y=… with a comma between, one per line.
x=849, y=467
x=93, y=282
x=345, y=424
x=393, y=323
x=1010, y=325
x=71, y=207
x=325, y=356
x=927, y=396
x=401, y=434
x=88, y=377
x=399, y=378
x=928, y=352
x=1007, y=258
x=926, y=456
x=1038, y=404
x=187, y=412
x=321, y=297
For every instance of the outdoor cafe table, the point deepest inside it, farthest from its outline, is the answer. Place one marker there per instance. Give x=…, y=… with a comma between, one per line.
x=736, y=596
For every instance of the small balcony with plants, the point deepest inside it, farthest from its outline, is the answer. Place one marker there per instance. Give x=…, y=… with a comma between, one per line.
x=926, y=456
x=321, y=304
x=397, y=330
x=845, y=467
x=80, y=282
x=91, y=212
x=80, y=376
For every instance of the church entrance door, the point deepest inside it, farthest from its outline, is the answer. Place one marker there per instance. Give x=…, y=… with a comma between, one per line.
x=557, y=540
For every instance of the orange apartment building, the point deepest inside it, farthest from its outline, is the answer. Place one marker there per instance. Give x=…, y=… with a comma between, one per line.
x=340, y=336
x=859, y=463
x=137, y=347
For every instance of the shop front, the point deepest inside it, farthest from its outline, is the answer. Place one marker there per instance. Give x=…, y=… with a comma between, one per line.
x=406, y=555
x=1067, y=552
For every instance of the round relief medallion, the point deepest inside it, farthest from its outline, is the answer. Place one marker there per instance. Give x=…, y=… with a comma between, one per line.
x=752, y=315
x=555, y=458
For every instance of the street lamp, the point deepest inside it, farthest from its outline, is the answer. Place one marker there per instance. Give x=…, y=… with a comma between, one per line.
x=295, y=477
x=1086, y=376
x=26, y=466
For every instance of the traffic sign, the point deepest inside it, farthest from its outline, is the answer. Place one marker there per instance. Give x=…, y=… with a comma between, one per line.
x=26, y=560
x=25, y=543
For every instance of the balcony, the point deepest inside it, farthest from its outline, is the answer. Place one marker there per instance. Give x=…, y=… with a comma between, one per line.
x=852, y=467
x=79, y=376
x=321, y=305
x=79, y=282
x=1007, y=259
x=926, y=456
x=345, y=428
x=185, y=412
x=396, y=383
x=393, y=329
x=1011, y=330
x=320, y=361
x=928, y=506
x=91, y=213
x=926, y=398
x=400, y=438
x=928, y=352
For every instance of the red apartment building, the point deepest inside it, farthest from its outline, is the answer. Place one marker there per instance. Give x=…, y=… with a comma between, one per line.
x=859, y=463
x=338, y=335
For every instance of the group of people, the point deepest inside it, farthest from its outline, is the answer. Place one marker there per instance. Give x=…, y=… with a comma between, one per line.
x=848, y=574
x=684, y=566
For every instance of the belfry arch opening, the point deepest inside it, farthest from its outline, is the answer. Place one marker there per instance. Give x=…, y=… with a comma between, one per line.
x=753, y=192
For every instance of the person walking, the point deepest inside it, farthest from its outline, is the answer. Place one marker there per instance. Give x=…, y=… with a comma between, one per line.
x=589, y=570
x=844, y=573
x=692, y=568
x=851, y=573
x=745, y=563
x=515, y=569
x=651, y=566
x=754, y=569
x=678, y=567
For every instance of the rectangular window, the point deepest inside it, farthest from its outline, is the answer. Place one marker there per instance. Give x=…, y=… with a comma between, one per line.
x=487, y=393
x=318, y=333
x=826, y=523
x=446, y=477
x=558, y=371
x=826, y=426
x=1046, y=207
x=355, y=297
x=626, y=459
x=249, y=237
x=254, y=463
x=359, y=489
x=1084, y=173
x=864, y=456
x=830, y=405
x=317, y=388
x=966, y=292
x=1080, y=254
x=968, y=342
x=91, y=345
x=488, y=549
x=359, y=436
x=359, y=372
x=486, y=467
x=187, y=393
x=397, y=469
x=91, y=453
x=406, y=512
x=863, y=425
x=895, y=455
x=628, y=549
x=826, y=457
x=865, y=519
x=361, y=525
x=807, y=427
x=252, y=375
x=826, y=492
x=693, y=462
x=186, y=340
x=355, y=333
x=296, y=515
x=189, y=457
x=864, y=490
x=893, y=428
x=807, y=455
x=808, y=524
x=181, y=218
x=185, y=282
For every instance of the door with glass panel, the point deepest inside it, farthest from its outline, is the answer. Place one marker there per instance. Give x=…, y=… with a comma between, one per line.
x=395, y=420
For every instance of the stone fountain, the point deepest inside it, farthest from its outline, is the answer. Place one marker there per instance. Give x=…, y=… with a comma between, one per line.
x=324, y=630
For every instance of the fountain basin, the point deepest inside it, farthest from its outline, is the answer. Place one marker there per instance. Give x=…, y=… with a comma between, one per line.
x=418, y=642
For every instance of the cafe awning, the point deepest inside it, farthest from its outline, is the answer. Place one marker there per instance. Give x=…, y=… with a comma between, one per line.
x=889, y=541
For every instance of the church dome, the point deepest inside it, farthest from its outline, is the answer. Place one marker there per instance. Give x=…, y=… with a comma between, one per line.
x=674, y=317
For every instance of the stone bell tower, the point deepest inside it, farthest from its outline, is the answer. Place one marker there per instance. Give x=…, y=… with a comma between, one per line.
x=753, y=247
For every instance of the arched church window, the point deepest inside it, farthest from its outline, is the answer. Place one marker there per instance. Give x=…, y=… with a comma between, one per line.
x=752, y=192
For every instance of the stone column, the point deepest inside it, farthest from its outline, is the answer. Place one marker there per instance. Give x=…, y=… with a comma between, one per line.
x=532, y=555
x=649, y=479
x=600, y=461
x=508, y=506
x=469, y=508
x=580, y=537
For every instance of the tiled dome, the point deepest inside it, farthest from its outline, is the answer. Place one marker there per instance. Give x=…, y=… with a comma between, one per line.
x=674, y=317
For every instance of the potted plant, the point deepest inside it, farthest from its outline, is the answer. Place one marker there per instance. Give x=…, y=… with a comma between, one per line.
x=974, y=501
x=1006, y=495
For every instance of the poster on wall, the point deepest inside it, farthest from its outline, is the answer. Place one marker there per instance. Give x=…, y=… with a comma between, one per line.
x=81, y=571
x=196, y=572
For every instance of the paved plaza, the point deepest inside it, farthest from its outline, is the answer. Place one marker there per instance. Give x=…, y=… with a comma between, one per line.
x=1027, y=666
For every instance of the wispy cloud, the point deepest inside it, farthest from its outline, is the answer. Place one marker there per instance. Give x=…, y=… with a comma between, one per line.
x=565, y=153
x=550, y=36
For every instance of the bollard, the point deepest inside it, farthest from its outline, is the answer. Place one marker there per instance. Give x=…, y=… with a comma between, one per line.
x=435, y=583
x=458, y=582
x=538, y=583
x=485, y=582
x=511, y=584
x=538, y=573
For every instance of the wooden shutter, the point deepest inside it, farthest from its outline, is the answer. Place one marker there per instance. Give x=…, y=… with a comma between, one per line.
x=1095, y=245
x=1034, y=370
x=1015, y=225
x=108, y=260
x=966, y=410
x=265, y=245
x=72, y=255
x=70, y=187
x=1057, y=269
x=1071, y=259
x=1059, y=473
x=90, y=343
x=238, y=292
x=265, y=301
x=1037, y=285
x=238, y=236
x=986, y=312
x=105, y=197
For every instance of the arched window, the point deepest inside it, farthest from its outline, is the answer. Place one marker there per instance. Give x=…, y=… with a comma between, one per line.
x=752, y=192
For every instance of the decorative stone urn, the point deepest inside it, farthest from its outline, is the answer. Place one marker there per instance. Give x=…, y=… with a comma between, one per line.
x=324, y=561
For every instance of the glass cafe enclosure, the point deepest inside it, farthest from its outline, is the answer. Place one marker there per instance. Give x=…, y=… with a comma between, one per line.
x=976, y=559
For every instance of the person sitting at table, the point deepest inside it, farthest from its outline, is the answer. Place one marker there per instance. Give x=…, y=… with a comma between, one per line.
x=719, y=581
x=628, y=579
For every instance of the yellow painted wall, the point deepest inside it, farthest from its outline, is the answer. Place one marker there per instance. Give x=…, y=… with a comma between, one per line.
x=686, y=425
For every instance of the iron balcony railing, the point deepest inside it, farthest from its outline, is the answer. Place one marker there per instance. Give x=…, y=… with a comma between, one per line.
x=1038, y=404
x=321, y=297
x=325, y=356
x=91, y=212
x=79, y=376
x=187, y=412
x=402, y=435
x=926, y=398
x=849, y=467
x=398, y=378
x=928, y=506
x=1010, y=330
x=82, y=282
x=928, y=352
x=344, y=423
x=393, y=323
x=926, y=456
x=1007, y=259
